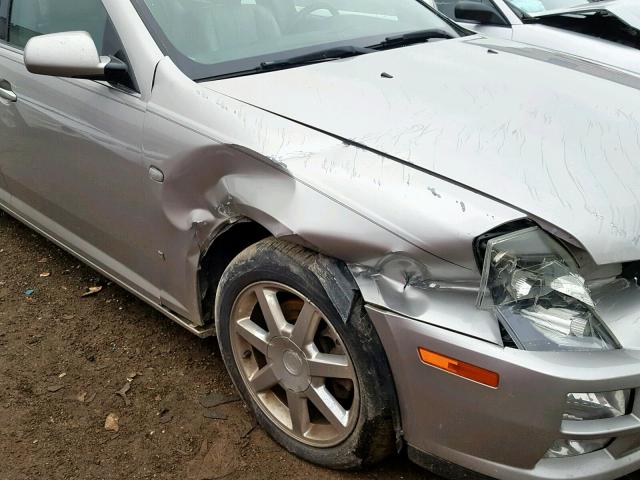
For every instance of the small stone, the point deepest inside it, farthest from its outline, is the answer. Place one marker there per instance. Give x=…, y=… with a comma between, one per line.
x=166, y=418
x=111, y=423
x=55, y=388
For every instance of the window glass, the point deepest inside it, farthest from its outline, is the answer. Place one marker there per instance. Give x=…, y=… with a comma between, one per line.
x=4, y=13
x=355, y=7
x=207, y=38
x=448, y=7
x=30, y=18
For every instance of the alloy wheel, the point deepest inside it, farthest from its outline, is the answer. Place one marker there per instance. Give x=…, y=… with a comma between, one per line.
x=294, y=364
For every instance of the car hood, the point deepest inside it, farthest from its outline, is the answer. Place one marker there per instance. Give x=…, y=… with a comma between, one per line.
x=626, y=10
x=518, y=124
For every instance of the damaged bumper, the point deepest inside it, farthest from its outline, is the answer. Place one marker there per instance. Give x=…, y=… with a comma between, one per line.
x=506, y=432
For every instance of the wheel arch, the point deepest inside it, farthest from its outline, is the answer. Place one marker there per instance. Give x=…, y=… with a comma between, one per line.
x=237, y=234
x=224, y=245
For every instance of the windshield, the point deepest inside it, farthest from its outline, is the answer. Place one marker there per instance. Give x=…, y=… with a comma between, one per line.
x=538, y=6
x=215, y=38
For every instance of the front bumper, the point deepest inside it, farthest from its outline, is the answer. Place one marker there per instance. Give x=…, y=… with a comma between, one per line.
x=505, y=432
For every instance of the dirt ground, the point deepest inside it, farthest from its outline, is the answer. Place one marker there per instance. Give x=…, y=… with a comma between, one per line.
x=63, y=357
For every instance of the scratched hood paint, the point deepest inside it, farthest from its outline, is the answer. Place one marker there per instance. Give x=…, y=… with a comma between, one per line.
x=537, y=134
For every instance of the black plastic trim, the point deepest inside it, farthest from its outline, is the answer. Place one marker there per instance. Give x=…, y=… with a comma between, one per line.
x=480, y=242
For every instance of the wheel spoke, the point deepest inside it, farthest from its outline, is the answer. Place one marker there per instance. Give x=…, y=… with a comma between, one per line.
x=328, y=406
x=263, y=379
x=271, y=310
x=253, y=333
x=306, y=325
x=330, y=366
x=299, y=411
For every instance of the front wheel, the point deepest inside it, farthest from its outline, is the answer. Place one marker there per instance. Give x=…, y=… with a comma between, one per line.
x=319, y=385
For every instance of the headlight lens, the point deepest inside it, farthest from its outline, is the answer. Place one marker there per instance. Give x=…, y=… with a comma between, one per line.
x=534, y=286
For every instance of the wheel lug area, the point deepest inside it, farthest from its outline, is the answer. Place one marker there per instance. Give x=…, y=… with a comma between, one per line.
x=289, y=364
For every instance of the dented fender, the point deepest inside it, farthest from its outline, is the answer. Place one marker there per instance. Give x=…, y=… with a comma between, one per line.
x=300, y=184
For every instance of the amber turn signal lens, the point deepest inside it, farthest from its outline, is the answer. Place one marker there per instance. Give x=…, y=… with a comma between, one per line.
x=462, y=369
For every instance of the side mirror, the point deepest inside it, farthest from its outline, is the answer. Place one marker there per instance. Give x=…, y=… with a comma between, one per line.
x=477, y=12
x=71, y=55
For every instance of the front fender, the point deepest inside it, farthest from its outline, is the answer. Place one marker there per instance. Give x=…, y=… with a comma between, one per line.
x=224, y=159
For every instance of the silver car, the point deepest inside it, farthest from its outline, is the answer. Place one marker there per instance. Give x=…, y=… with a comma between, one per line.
x=603, y=31
x=402, y=235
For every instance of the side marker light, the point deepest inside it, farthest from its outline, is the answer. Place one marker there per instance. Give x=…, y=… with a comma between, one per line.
x=459, y=368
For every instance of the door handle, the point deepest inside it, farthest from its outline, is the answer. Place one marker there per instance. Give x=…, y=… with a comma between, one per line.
x=7, y=92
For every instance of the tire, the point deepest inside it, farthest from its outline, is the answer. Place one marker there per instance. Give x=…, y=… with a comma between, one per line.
x=306, y=285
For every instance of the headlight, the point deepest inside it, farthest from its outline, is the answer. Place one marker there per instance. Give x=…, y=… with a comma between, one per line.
x=544, y=304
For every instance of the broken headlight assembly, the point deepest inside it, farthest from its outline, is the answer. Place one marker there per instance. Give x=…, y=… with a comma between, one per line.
x=543, y=303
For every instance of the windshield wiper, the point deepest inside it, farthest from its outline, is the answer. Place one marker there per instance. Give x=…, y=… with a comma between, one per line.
x=411, y=38
x=338, y=52
x=314, y=57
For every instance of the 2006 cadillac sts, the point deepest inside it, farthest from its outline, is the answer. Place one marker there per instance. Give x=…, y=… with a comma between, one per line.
x=401, y=233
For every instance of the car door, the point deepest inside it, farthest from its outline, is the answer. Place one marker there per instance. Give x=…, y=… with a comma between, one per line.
x=4, y=193
x=70, y=149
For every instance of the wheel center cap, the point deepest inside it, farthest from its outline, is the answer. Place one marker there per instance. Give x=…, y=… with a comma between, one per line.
x=292, y=362
x=289, y=364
